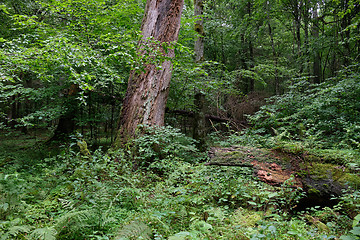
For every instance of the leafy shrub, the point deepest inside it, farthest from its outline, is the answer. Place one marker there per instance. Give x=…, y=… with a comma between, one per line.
x=328, y=112
x=160, y=149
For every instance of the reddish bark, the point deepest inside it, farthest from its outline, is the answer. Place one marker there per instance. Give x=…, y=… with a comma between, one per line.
x=147, y=91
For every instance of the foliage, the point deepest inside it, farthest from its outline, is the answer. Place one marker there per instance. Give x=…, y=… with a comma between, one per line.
x=326, y=114
x=71, y=60
x=71, y=195
x=161, y=149
x=65, y=60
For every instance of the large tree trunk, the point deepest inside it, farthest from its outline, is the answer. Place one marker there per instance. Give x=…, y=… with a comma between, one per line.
x=66, y=125
x=147, y=91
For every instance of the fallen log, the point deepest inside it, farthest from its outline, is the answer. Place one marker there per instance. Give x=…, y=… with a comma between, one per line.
x=207, y=116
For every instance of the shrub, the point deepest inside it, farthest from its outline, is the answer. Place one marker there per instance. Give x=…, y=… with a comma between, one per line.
x=328, y=112
x=160, y=149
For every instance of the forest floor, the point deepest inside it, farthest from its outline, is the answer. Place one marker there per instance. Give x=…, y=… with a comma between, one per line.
x=239, y=192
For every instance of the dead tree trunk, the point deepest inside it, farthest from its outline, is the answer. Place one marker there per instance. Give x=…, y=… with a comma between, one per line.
x=147, y=91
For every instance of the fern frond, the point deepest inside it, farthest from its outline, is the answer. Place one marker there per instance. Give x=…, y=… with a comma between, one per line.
x=67, y=204
x=134, y=230
x=46, y=233
x=74, y=221
x=106, y=220
x=16, y=230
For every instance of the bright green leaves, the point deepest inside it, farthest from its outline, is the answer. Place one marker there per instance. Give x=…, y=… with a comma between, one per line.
x=58, y=44
x=4, y=9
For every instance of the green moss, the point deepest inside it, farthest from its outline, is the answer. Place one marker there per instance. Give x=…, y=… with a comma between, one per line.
x=314, y=191
x=234, y=154
x=316, y=222
x=320, y=171
x=350, y=179
x=290, y=147
x=246, y=218
x=199, y=29
x=84, y=151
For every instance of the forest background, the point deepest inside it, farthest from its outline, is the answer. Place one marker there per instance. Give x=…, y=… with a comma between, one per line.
x=281, y=75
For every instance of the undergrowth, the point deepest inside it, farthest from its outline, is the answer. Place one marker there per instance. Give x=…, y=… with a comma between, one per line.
x=169, y=195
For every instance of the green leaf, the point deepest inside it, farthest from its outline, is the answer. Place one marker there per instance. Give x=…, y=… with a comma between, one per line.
x=252, y=203
x=356, y=220
x=356, y=231
x=347, y=237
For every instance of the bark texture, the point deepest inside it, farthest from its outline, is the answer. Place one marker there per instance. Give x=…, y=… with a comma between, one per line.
x=199, y=127
x=317, y=58
x=199, y=28
x=147, y=91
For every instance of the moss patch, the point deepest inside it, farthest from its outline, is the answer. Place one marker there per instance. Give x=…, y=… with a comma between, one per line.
x=336, y=173
x=243, y=154
x=245, y=218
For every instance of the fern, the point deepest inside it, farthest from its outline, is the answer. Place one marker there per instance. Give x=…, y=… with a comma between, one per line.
x=46, y=233
x=79, y=224
x=73, y=223
x=134, y=230
x=15, y=231
x=67, y=204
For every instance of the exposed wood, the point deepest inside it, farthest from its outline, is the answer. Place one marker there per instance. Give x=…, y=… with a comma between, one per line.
x=148, y=90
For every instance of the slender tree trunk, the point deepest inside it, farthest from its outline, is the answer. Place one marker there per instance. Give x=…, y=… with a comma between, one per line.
x=297, y=22
x=199, y=128
x=147, y=91
x=298, y=27
x=199, y=28
x=13, y=112
x=251, y=52
x=276, y=80
x=317, y=60
x=113, y=101
x=306, y=17
x=345, y=22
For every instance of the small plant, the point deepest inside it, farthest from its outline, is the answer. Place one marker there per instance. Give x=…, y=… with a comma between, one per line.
x=355, y=231
x=160, y=149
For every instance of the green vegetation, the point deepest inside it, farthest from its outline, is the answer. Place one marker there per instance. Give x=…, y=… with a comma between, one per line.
x=323, y=116
x=100, y=195
x=280, y=82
